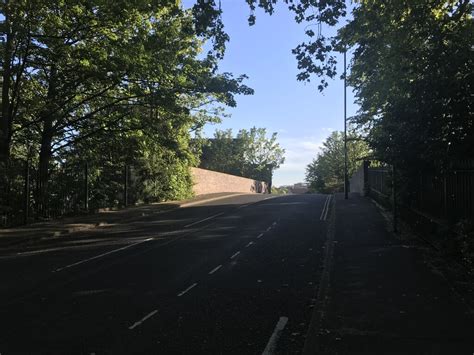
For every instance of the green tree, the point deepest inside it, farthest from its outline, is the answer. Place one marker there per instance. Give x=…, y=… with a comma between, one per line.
x=326, y=171
x=77, y=74
x=250, y=154
x=262, y=155
x=412, y=72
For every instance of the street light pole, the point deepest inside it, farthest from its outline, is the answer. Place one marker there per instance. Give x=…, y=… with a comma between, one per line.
x=346, y=192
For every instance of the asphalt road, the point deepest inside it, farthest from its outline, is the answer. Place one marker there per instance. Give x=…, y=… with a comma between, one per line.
x=234, y=276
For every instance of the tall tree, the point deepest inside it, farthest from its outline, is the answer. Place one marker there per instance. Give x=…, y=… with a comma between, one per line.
x=250, y=154
x=326, y=171
x=93, y=63
x=413, y=71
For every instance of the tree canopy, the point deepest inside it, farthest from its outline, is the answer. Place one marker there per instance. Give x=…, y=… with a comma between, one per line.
x=249, y=154
x=94, y=81
x=412, y=71
x=326, y=172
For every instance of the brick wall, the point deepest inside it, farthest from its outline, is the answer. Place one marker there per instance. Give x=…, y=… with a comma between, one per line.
x=207, y=182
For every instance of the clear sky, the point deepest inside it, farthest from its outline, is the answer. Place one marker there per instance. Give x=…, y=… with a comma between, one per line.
x=302, y=116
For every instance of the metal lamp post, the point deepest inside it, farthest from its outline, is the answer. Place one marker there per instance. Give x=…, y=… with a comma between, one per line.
x=346, y=188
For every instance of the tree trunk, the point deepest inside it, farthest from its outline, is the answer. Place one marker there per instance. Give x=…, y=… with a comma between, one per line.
x=45, y=155
x=5, y=119
x=43, y=167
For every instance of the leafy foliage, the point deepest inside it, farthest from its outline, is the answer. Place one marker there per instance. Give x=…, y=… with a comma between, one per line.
x=413, y=72
x=110, y=83
x=326, y=172
x=250, y=154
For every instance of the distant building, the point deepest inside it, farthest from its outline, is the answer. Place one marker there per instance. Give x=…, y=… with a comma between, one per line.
x=299, y=188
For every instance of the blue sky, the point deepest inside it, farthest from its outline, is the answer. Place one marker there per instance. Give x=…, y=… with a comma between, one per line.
x=302, y=116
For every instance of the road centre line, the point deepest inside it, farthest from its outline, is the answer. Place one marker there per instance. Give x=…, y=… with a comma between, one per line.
x=249, y=244
x=268, y=229
x=187, y=290
x=233, y=256
x=149, y=315
x=101, y=255
x=260, y=236
x=204, y=220
x=271, y=345
x=327, y=208
x=215, y=269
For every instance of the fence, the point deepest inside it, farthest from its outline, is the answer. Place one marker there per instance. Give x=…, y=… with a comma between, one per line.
x=72, y=189
x=380, y=180
x=447, y=195
x=83, y=187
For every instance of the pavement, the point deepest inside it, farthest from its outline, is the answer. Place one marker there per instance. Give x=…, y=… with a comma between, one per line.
x=382, y=296
x=49, y=231
x=245, y=274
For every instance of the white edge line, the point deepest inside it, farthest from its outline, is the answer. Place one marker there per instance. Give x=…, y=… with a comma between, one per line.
x=149, y=315
x=270, y=348
x=100, y=255
x=327, y=209
x=203, y=220
x=215, y=269
x=188, y=289
x=233, y=256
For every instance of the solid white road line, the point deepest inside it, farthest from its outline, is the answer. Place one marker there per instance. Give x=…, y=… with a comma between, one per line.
x=260, y=236
x=249, y=244
x=270, y=348
x=101, y=255
x=327, y=208
x=233, y=256
x=203, y=220
x=149, y=315
x=189, y=288
x=215, y=269
x=324, y=208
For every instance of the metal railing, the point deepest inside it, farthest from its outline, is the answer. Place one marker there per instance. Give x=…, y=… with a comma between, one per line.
x=447, y=195
x=72, y=189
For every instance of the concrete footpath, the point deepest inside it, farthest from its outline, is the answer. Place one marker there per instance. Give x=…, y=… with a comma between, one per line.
x=382, y=297
x=54, y=229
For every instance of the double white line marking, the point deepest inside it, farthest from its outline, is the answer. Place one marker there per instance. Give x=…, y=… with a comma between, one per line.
x=324, y=212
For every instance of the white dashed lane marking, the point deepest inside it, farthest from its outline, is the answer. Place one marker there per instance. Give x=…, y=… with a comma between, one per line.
x=204, y=220
x=271, y=345
x=101, y=255
x=215, y=269
x=149, y=315
x=188, y=289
